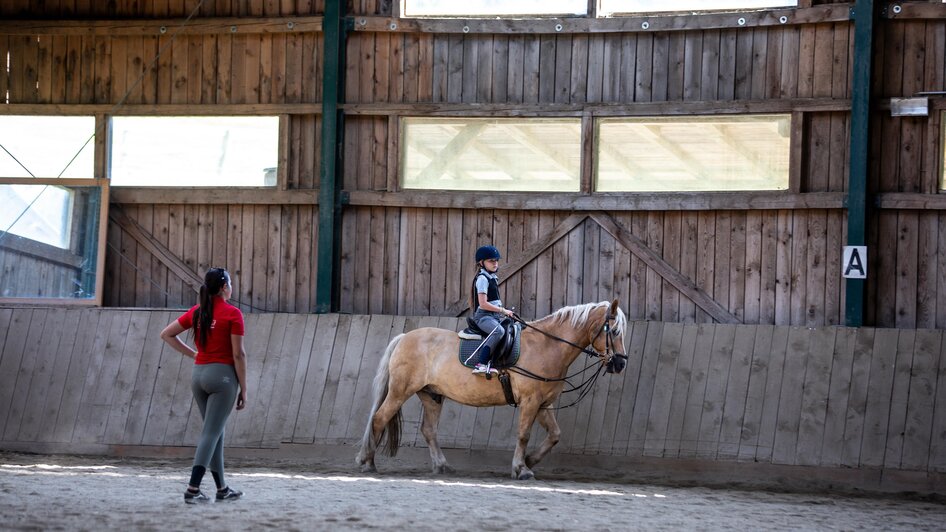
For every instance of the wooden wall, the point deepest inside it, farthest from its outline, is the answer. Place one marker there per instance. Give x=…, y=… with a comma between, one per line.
x=763, y=258
x=25, y=275
x=829, y=397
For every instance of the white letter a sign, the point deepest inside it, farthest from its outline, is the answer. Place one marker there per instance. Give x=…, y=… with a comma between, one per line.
x=854, y=265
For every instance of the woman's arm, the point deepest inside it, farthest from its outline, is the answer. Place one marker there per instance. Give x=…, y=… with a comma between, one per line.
x=169, y=335
x=239, y=364
x=487, y=306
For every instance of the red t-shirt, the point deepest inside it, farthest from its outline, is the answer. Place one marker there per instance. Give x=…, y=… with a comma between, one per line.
x=227, y=320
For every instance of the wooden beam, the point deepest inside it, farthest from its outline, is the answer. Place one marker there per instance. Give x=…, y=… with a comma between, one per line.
x=56, y=181
x=158, y=27
x=156, y=248
x=910, y=201
x=617, y=24
x=26, y=246
x=648, y=201
x=708, y=107
x=655, y=262
x=916, y=10
x=516, y=263
x=254, y=109
x=213, y=196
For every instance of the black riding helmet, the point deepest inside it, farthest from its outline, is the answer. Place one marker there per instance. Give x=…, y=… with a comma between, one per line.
x=486, y=253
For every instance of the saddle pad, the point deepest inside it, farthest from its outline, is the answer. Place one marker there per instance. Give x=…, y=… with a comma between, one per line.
x=468, y=346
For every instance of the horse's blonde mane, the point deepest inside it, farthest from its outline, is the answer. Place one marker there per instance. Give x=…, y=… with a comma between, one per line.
x=579, y=314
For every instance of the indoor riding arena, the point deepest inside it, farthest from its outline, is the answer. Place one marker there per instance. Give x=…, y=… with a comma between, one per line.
x=736, y=202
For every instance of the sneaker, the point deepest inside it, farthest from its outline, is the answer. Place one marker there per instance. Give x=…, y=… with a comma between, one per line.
x=467, y=334
x=483, y=369
x=228, y=494
x=191, y=497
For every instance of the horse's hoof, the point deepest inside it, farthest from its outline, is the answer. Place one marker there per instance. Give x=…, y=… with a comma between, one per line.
x=368, y=468
x=526, y=475
x=443, y=470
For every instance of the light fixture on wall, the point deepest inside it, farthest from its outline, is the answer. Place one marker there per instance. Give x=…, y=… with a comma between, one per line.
x=915, y=106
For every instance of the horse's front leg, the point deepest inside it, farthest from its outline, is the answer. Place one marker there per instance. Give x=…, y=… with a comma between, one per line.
x=546, y=418
x=527, y=415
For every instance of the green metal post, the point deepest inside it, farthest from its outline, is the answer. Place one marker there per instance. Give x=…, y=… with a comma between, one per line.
x=329, y=207
x=864, y=16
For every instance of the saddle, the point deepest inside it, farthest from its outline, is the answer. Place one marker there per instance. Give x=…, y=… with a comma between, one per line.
x=507, y=350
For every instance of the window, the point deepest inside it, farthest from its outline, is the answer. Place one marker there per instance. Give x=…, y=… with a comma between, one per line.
x=612, y=7
x=44, y=146
x=491, y=154
x=942, y=140
x=686, y=154
x=38, y=212
x=49, y=242
x=194, y=151
x=453, y=8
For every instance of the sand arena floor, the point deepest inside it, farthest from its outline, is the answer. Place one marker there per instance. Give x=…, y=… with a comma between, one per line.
x=57, y=492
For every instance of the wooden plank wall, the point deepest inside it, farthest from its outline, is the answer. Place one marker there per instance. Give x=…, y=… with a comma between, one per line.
x=22, y=275
x=766, y=266
x=268, y=249
x=906, y=157
x=828, y=397
x=172, y=8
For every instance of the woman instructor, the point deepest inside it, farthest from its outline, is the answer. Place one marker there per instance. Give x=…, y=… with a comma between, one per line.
x=219, y=376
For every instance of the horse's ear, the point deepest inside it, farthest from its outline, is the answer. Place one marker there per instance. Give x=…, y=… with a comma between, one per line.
x=613, y=311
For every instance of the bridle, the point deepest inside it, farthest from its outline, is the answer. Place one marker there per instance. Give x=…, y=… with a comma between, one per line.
x=609, y=351
x=606, y=358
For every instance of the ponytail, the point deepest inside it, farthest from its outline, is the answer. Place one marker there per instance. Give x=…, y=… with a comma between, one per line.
x=214, y=280
x=473, y=300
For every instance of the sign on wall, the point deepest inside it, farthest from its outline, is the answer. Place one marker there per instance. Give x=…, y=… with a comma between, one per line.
x=854, y=263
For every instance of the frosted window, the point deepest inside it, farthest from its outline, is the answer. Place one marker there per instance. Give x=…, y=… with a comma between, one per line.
x=685, y=154
x=495, y=154
x=611, y=7
x=446, y=8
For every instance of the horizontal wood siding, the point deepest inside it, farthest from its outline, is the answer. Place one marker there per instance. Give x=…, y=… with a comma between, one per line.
x=825, y=396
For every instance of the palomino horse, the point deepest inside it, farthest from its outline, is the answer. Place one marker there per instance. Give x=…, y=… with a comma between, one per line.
x=425, y=362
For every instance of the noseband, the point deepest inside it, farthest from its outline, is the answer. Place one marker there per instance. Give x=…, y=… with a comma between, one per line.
x=609, y=352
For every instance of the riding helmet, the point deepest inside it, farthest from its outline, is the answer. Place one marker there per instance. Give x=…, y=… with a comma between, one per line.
x=487, y=252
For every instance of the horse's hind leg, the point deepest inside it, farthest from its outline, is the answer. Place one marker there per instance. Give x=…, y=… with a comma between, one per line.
x=546, y=418
x=428, y=427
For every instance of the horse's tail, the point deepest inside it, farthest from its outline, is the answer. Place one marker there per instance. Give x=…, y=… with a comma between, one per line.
x=393, y=429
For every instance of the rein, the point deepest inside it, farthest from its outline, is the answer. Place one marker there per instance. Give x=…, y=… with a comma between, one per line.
x=585, y=386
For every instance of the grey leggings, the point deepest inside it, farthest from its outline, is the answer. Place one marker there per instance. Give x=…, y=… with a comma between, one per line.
x=215, y=388
x=488, y=322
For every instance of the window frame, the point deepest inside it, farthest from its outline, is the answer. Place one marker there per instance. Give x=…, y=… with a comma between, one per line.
x=53, y=252
x=97, y=180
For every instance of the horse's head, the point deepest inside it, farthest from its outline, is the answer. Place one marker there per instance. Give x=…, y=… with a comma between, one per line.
x=609, y=341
